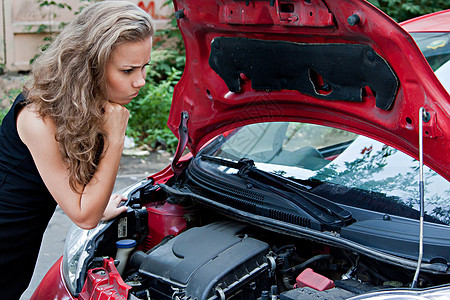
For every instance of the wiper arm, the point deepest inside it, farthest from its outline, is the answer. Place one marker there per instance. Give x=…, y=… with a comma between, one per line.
x=321, y=204
x=323, y=209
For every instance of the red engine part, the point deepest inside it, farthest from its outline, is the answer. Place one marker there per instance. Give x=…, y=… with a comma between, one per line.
x=313, y=280
x=164, y=219
x=104, y=283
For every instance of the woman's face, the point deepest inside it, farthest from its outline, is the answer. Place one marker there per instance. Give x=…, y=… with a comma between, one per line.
x=125, y=70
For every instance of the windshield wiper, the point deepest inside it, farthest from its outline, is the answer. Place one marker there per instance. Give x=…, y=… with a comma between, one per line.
x=324, y=210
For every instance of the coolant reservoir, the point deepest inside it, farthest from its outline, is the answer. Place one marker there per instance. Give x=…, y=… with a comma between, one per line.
x=124, y=247
x=164, y=219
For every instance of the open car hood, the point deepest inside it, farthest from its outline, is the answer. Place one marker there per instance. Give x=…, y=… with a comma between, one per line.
x=336, y=63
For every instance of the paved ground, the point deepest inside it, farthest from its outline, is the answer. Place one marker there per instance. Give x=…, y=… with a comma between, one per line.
x=133, y=168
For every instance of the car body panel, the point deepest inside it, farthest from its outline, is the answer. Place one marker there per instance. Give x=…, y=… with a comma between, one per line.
x=213, y=108
x=438, y=21
x=52, y=285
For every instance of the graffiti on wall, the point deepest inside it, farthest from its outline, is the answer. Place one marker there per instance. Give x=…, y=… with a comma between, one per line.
x=150, y=9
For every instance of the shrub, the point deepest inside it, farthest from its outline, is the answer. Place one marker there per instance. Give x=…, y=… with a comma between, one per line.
x=401, y=10
x=149, y=111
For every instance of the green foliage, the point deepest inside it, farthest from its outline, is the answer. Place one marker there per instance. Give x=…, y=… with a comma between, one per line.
x=50, y=5
x=170, y=34
x=53, y=3
x=401, y=10
x=3, y=112
x=43, y=28
x=8, y=98
x=149, y=111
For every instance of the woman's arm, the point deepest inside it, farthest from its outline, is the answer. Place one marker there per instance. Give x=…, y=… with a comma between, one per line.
x=85, y=209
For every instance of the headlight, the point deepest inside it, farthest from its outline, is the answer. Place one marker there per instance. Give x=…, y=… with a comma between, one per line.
x=435, y=293
x=76, y=255
x=80, y=246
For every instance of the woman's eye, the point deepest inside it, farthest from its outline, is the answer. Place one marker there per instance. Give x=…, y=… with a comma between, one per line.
x=127, y=71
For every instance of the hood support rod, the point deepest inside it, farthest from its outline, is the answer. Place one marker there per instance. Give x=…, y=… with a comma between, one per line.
x=423, y=116
x=183, y=138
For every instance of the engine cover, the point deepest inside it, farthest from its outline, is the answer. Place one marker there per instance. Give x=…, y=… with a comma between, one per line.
x=210, y=262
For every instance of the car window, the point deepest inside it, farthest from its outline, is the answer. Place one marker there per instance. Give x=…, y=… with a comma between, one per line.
x=356, y=170
x=443, y=74
x=434, y=46
x=436, y=49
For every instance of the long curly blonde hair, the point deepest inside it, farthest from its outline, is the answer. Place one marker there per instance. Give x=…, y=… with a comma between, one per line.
x=68, y=82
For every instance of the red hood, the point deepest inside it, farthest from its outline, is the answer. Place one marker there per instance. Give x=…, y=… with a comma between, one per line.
x=260, y=66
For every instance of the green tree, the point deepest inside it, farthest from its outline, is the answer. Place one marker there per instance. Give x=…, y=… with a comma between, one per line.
x=401, y=10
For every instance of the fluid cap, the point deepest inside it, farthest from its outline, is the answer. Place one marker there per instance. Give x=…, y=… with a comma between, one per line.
x=124, y=244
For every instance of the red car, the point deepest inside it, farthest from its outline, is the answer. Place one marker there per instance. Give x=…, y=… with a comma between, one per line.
x=320, y=164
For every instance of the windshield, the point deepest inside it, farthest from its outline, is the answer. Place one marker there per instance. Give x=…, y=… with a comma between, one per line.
x=436, y=49
x=339, y=165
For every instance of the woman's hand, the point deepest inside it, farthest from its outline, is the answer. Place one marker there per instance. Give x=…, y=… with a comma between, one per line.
x=115, y=121
x=112, y=210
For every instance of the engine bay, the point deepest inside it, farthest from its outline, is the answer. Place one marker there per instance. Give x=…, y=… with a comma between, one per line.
x=212, y=261
x=188, y=250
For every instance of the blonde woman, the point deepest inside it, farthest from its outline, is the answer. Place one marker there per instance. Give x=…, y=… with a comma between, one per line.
x=62, y=140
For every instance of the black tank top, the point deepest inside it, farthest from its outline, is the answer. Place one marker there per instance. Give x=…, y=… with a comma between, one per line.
x=26, y=207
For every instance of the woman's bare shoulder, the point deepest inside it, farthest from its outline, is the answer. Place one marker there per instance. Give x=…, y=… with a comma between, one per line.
x=32, y=127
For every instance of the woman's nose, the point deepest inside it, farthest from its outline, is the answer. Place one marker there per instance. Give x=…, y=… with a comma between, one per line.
x=139, y=81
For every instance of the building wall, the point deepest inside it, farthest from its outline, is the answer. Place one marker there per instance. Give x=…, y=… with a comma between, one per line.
x=24, y=24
